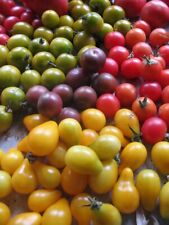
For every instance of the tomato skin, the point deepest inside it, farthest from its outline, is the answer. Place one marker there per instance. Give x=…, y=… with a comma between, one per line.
x=110, y=66
x=143, y=25
x=30, y=218
x=114, y=38
x=131, y=68
x=151, y=90
x=163, y=113
x=58, y=213
x=118, y=53
x=164, y=78
x=163, y=201
x=144, y=108
x=134, y=36
x=160, y=156
x=70, y=179
x=148, y=184
x=34, y=120
x=158, y=37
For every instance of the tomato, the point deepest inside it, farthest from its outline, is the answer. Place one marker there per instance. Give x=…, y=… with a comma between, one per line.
x=50, y=19
x=29, y=79
x=104, y=181
x=88, y=137
x=47, y=176
x=34, y=120
x=123, y=191
x=79, y=10
x=163, y=201
x=151, y=69
x=11, y=160
x=93, y=119
x=158, y=37
x=79, y=211
x=144, y=108
x=4, y=213
x=30, y=218
x=110, y=66
x=165, y=94
x=83, y=160
x=118, y=53
x=148, y=185
x=114, y=38
x=58, y=213
x=164, y=78
x=42, y=32
x=133, y=156
x=164, y=52
x=131, y=68
x=134, y=36
x=113, y=13
x=143, y=25
x=57, y=157
x=122, y=26
x=24, y=180
x=108, y=104
x=159, y=156
x=127, y=122
x=126, y=93
x=70, y=179
x=6, y=184
x=38, y=138
x=3, y=55
x=141, y=49
x=106, y=146
x=41, y=199
x=155, y=13
x=6, y=119
x=163, y=113
x=151, y=90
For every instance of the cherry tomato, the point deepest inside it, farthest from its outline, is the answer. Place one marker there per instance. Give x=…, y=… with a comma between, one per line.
x=4, y=213
x=31, y=218
x=163, y=201
x=114, y=38
x=151, y=90
x=110, y=66
x=143, y=25
x=131, y=68
x=134, y=36
x=158, y=37
x=118, y=53
x=163, y=113
x=34, y=120
x=164, y=78
x=160, y=59
x=88, y=137
x=164, y=52
x=6, y=184
x=141, y=49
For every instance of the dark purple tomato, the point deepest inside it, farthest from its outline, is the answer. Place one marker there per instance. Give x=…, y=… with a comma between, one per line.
x=50, y=104
x=84, y=97
x=34, y=93
x=104, y=83
x=65, y=92
x=68, y=112
x=93, y=59
x=76, y=78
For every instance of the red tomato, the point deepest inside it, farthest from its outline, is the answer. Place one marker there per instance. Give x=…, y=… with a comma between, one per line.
x=158, y=37
x=154, y=130
x=131, y=68
x=160, y=59
x=143, y=25
x=6, y=6
x=165, y=94
x=144, y=108
x=119, y=54
x=126, y=93
x=3, y=39
x=10, y=21
x=164, y=78
x=164, y=52
x=155, y=13
x=134, y=36
x=151, y=90
x=110, y=66
x=114, y=38
x=141, y=49
x=163, y=113
x=108, y=104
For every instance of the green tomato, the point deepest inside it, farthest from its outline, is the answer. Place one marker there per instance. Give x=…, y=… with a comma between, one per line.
x=3, y=55
x=66, y=20
x=82, y=39
x=43, y=32
x=99, y=5
x=113, y=13
x=30, y=78
x=74, y=3
x=6, y=119
x=78, y=25
x=60, y=45
x=52, y=77
x=38, y=45
x=122, y=26
x=42, y=61
x=64, y=31
x=105, y=29
x=23, y=28
x=20, y=57
x=50, y=19
x=18, y=40
x=9, y=76
x=66, y=62
x=13, y=97
x=80, y=10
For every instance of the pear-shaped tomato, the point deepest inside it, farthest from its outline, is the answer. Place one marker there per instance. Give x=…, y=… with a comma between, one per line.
x=34, y=120
x=43, y=139
x=30, y=218
x=23, y=145
x=4, y=213
x=164, y=201
x=5, y=184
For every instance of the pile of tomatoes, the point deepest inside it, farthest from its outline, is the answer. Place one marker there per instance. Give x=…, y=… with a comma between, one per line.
x=94, y=90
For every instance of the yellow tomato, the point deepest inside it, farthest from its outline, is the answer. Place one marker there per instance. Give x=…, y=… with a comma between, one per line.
x=148, y=185
x=57, y=157
x=88, y=137
x=133, y=156
x=93, y=119
x=164, y=201
x=104, y=181
x=43, y=139
x=79, y=209
x=5, y=184
x=58, y=213
x=83, y=160
x=47, y=176
x=41, y=199
x=160, y=156
x=34, y=120
x=127, y=122
x=116, y=132
x=11, y=160
x=23, y=145
x=1, y=155
x=4, y=213
x=23, y=179
x=30, y=218
x=125, y=196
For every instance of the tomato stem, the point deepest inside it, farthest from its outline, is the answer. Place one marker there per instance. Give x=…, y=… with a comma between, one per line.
x=143, y=103
x=51, y=64
x=30, y=157
x=136, y=136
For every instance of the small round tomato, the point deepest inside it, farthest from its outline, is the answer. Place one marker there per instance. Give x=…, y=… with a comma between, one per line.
x=134, y=36
x=114, y=38
x=151, y=90
x=110, y=66
x=163, y=113
x=165, y=94
x=163, y=201
x=118, y=53
x=141, y=49
x=164, y=78
x=6, y=184
x=143, y=25
x=158, y=37
x=4, y=213
x=131, y=68
x=6, y=119
x=88, y=137
x=164, y=52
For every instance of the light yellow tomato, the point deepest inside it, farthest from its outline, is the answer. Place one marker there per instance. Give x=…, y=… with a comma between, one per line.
x=88, y=137
x=30, y=218
x=4, y=213
x=164, y=201
x=5, y=184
